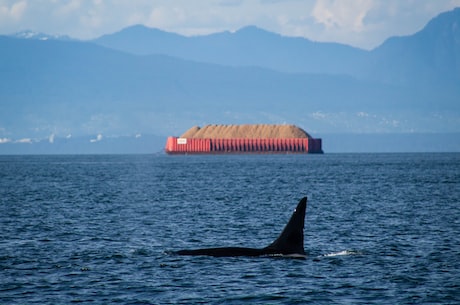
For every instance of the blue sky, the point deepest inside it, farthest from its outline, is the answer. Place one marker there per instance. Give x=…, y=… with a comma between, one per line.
x=361, y=23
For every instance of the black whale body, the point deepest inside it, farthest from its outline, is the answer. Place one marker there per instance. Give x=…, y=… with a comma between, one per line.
x=288, y=244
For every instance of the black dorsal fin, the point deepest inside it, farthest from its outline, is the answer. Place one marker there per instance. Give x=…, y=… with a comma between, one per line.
x=290, y=241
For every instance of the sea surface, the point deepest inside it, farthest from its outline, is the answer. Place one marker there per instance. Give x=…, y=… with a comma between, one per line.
x=101, y=229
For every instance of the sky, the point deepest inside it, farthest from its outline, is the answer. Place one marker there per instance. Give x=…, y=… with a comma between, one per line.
x=360, y=23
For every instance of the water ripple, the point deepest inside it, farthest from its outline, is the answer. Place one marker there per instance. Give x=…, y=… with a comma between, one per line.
x=379, y=229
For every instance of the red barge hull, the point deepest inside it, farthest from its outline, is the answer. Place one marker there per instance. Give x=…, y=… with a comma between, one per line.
x=175, y=145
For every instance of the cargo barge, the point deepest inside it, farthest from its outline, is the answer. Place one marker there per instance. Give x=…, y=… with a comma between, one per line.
x=244, y=139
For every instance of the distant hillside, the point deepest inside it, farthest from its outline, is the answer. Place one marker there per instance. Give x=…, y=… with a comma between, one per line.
x=249, y=46
x=74, y=85
x=430, y=56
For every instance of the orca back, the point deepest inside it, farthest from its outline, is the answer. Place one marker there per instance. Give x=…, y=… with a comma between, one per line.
x=289, y=243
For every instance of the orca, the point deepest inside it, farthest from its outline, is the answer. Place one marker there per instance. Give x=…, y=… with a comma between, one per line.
x=288, y=244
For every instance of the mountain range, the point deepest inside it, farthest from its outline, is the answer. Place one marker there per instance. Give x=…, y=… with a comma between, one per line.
x=141, y=82
x=427, y=56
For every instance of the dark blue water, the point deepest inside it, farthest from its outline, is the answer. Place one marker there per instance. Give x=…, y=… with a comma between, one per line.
x=380, y=228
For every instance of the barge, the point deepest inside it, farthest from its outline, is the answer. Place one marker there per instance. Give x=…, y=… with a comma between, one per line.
x=244, y=139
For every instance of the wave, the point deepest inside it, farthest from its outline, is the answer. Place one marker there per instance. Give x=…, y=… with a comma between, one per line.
x=341, y=253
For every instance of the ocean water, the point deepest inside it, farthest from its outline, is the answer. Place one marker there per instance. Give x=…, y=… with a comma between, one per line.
x=99, y=229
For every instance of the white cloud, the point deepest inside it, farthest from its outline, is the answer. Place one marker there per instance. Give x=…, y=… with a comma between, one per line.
x=66, y=8
x=362, y=114
x=14, y=11
x=51, y=138
x=367, y=23
x=97, y=139
x=4, y=140
x=318, y=115
x=24, y=140
x=347, y=14
x=12, y=16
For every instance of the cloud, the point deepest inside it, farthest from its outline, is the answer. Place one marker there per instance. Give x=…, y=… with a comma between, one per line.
x=66, y=8
x=13, y=11
x=97, y=139
x=4, y=140
x=343, y=14
x=367, y=23
x=362, y=114
x=24, y=140
x=318, y=115
x=51, y=138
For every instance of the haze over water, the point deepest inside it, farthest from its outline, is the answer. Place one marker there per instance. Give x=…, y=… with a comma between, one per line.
x=379, y=228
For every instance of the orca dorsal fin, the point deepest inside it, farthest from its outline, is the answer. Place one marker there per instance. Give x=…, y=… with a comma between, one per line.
x=290, y=241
